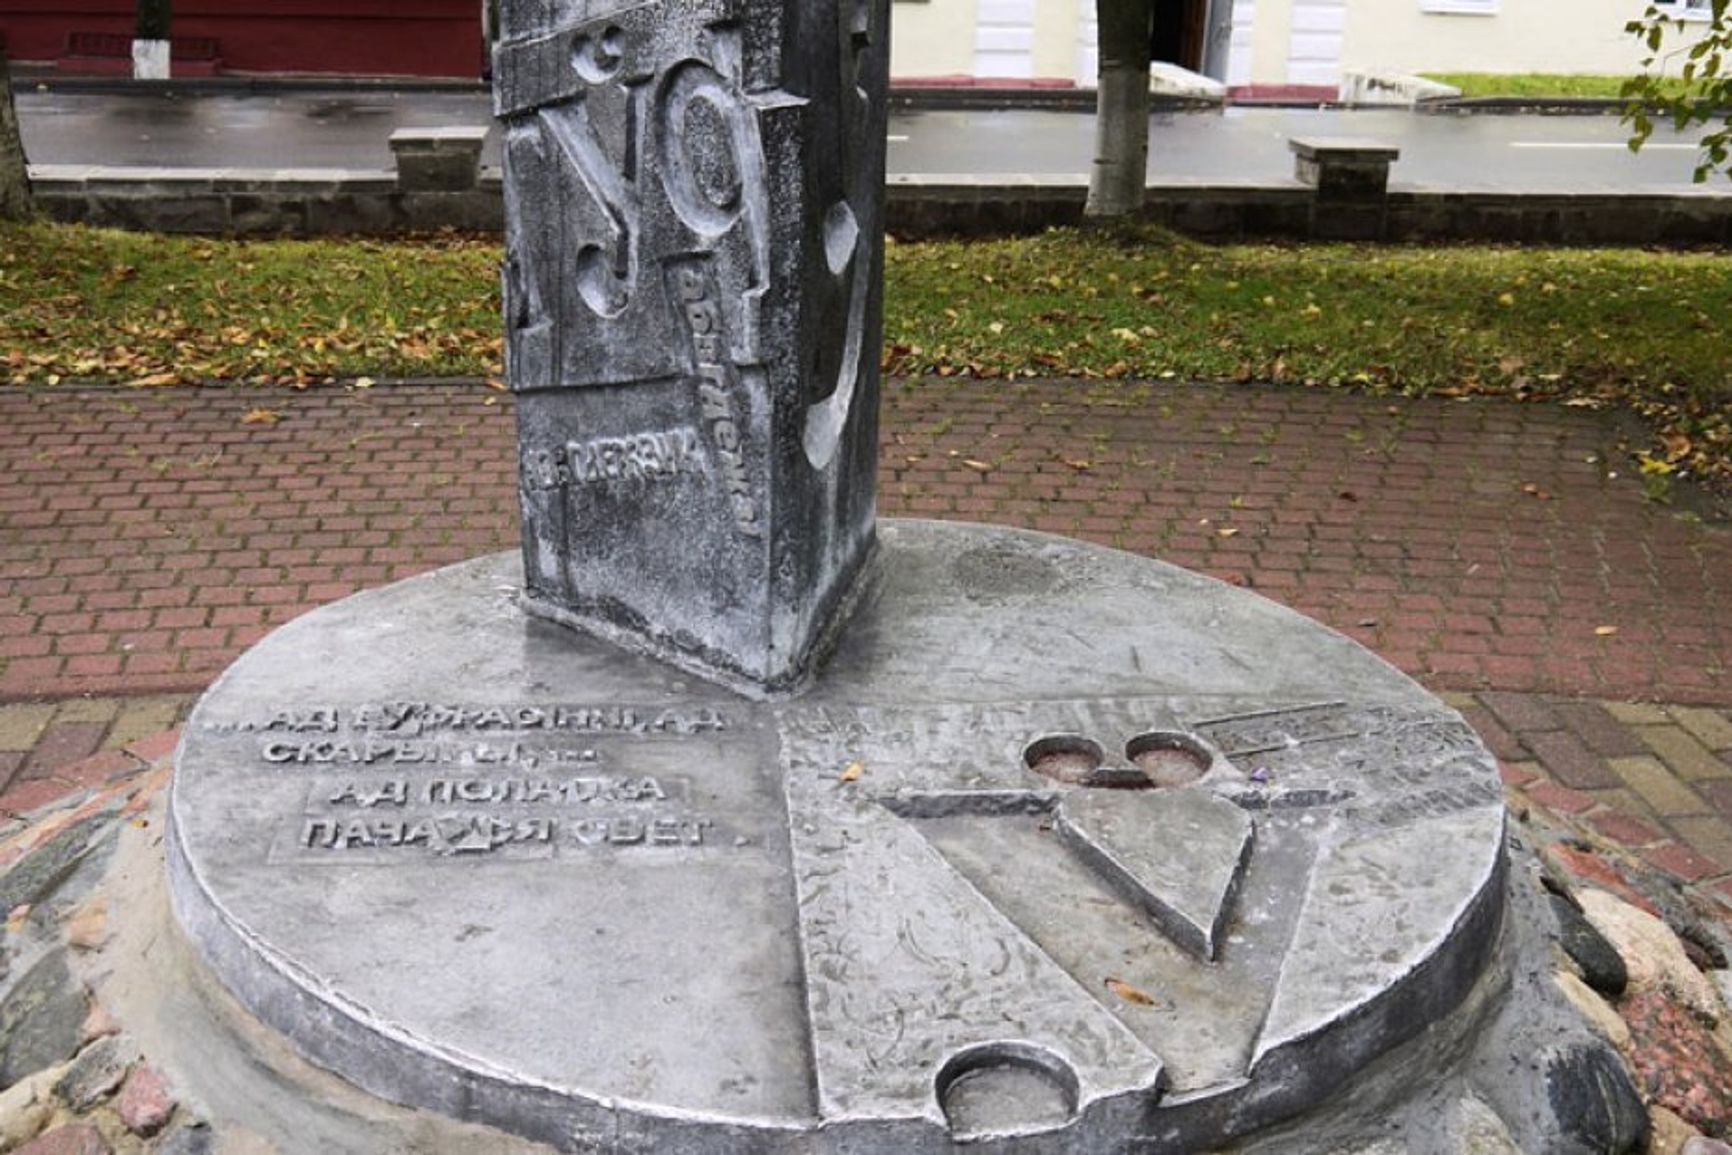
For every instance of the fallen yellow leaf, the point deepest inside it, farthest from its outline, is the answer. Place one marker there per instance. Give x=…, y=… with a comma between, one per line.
x=1129, y=993
x=261, y=417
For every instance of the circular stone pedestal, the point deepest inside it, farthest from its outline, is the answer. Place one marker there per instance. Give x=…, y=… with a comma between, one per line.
x=1066, y=851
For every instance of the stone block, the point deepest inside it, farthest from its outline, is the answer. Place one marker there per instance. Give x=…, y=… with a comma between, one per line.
x=1343, y=168
x=1687, y=757
x=1284, y=217
x=1650, y=778
x=1347, y=222
x=22, y=723
x=39, y=1019
x=1710, y=727
x=362, y=215
x=438, y=159
x=251, y=214
x=96, y=1073
x=1637, y=713
x=1375, y=86
x=146, y=1104
x=1209, y=218
x=162, y=213
x=470, y=211
x=694, y=204
x=72, y=1139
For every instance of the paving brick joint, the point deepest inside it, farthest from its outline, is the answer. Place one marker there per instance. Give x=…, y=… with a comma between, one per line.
x=1502, y=553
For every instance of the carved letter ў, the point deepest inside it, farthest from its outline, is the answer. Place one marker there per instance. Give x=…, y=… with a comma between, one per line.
x=694, y=204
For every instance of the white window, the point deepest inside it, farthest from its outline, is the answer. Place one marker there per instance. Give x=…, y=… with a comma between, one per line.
x=1687, y=9
x=1460, y=7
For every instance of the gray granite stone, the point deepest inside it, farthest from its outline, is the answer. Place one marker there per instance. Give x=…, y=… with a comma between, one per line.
x=1602, y=967
x=694, y=227
x=482, y=865
x=38, y=873
x=96, y=1073
x=1473, y=1128
x=191, y=1139
x=40, y=1019
x=1594, y=1100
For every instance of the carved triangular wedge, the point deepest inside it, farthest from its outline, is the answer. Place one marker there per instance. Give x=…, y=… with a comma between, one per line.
x=1178, y=853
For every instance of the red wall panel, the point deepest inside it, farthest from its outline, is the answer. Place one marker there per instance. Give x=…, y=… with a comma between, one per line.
x=357, y=37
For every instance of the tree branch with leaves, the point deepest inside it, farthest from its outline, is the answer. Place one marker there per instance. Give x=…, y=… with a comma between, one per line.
x=1700, y=94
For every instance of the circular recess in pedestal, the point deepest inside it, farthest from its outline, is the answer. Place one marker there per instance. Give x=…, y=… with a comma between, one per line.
x=479, y=864
x=1169, y=759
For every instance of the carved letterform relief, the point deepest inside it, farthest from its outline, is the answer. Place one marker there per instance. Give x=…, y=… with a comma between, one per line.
x=694, y=239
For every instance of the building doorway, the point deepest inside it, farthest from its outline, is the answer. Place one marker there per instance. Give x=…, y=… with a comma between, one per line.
x=1179, y=32
x=1194, y=34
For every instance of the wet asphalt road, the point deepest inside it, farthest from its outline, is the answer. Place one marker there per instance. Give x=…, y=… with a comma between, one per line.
x=350, y=129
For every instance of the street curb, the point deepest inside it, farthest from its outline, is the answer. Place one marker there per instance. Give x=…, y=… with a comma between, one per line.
x=905, y=95
x=218, y=202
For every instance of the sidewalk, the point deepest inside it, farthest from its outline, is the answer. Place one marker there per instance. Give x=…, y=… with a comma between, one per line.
x=1503, y=554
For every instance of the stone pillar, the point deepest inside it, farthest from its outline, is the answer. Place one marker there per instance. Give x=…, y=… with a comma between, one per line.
x=1351, y=177
x=694, y=204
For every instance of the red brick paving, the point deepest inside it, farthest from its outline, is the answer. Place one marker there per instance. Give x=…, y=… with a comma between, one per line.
x=63, y=743
x=147, y=537
x=92, y=773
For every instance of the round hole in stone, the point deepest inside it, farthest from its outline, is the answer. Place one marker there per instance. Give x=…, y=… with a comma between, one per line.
x=1169, y=758
x=1065, y=758
x=1006, y=1089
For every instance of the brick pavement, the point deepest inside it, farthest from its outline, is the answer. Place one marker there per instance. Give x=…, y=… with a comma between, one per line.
x=1504, y=552
x=146, y=538
x=1648, y=781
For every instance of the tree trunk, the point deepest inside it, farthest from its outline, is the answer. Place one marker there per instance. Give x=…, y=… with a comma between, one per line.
x=14, y=177
x=1120, y=176
x=150, y=40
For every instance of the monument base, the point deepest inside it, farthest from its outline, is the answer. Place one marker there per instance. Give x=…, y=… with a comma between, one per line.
x=1064, y=851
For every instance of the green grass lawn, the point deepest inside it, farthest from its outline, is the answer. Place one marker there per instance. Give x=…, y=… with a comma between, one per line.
x=1627, y=328
x=1541, y=85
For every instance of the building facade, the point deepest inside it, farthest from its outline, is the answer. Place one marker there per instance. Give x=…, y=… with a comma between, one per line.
x=1297, y=47
x=1303, y=46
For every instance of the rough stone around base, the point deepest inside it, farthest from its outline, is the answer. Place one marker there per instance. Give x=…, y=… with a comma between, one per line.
x=694, y=205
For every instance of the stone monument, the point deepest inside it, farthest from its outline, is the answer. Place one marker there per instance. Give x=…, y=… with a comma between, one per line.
x=1041, y=848
x=694, y=204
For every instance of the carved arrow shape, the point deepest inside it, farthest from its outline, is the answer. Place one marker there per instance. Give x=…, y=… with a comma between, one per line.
x=1178, y=853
